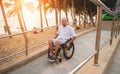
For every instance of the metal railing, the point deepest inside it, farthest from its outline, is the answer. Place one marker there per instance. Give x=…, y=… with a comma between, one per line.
x=99, y=4
x=88, y=58
x=83, y=63
x=24, y=50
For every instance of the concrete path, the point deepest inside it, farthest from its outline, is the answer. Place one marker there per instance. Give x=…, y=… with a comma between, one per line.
x=84, y=46
x=115, y=65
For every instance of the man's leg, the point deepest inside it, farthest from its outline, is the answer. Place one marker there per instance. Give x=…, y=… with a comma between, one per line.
x=57, y=45
x=51, y=47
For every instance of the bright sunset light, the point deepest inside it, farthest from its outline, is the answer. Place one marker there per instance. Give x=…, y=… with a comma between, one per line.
x=35, y=2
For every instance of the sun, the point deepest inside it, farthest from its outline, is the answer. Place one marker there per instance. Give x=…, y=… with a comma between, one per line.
x=35, y=2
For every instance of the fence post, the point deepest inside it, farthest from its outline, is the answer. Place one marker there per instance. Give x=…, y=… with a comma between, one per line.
x=112, y=29
x=117, y=29
x=26, y=43
x=98, y=34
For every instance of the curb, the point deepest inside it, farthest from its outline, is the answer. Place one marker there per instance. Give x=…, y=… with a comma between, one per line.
x=35, y=55
x=108, y=64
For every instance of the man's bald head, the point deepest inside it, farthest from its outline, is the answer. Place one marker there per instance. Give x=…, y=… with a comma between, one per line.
x=64, y=21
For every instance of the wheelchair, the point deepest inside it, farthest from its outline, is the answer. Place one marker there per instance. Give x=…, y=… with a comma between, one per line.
x=67, y=51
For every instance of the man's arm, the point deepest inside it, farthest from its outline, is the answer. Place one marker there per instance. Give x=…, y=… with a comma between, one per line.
x=69, y=42
x=72, y=39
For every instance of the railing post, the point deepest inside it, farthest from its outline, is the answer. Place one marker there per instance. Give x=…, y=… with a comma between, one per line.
x=116, y=29
x=98, y=34
x=112, y=29
x=26, y=43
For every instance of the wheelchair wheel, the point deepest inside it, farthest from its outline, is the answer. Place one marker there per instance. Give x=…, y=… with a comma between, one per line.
x=68, y=52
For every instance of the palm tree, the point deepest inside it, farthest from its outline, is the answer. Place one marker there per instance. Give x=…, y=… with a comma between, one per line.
x=84, y=8
x=22, y=17
x=91, y=8
x=74, y=18
x=66, y=8
x=60, y=7
x=85, y=12
x=41, y=23
x=5, y=19
x=18, y=7
x=53, y=5
x=13, y=11
x=79, y=12
x=56, y=12
x=44, y=8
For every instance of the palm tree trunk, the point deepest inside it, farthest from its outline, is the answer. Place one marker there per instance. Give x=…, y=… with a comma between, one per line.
x=5, y=19
x=84, y=13
x=60, y=16
x=46, y=20
x=59, y=10
x=74, y=18
x=45, y=15
x=41, y=21
x=56, y=14
x=79, y=20
x=18, y=15
x=73, y=10
x=71, y=14
x=91, y=18
x=67, y=16
x=23, y=21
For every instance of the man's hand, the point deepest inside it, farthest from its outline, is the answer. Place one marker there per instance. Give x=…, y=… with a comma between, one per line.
x=68, y=44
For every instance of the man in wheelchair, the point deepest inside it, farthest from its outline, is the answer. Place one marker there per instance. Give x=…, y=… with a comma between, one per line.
x=64, y=34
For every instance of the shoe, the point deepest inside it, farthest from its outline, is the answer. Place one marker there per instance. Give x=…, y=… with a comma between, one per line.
x=51, y=59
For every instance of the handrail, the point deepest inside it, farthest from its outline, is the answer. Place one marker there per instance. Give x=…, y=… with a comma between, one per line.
x=25, y=42
x=15, y=34
x=87, y=59
x=99, y=3
x=22, y=32
x=3, y=58
x=83, y=63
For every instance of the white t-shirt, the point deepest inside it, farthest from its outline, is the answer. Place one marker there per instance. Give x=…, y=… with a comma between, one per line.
x=66, y=32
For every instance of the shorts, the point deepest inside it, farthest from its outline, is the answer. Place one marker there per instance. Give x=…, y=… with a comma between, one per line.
x=62, y=41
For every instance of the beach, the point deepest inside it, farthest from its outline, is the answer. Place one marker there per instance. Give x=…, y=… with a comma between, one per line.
x=32, y=19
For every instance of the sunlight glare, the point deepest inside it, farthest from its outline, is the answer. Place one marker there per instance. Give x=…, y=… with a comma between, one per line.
x=35, y=2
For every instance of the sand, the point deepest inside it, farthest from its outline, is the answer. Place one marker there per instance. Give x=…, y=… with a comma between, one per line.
x=15, y=44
